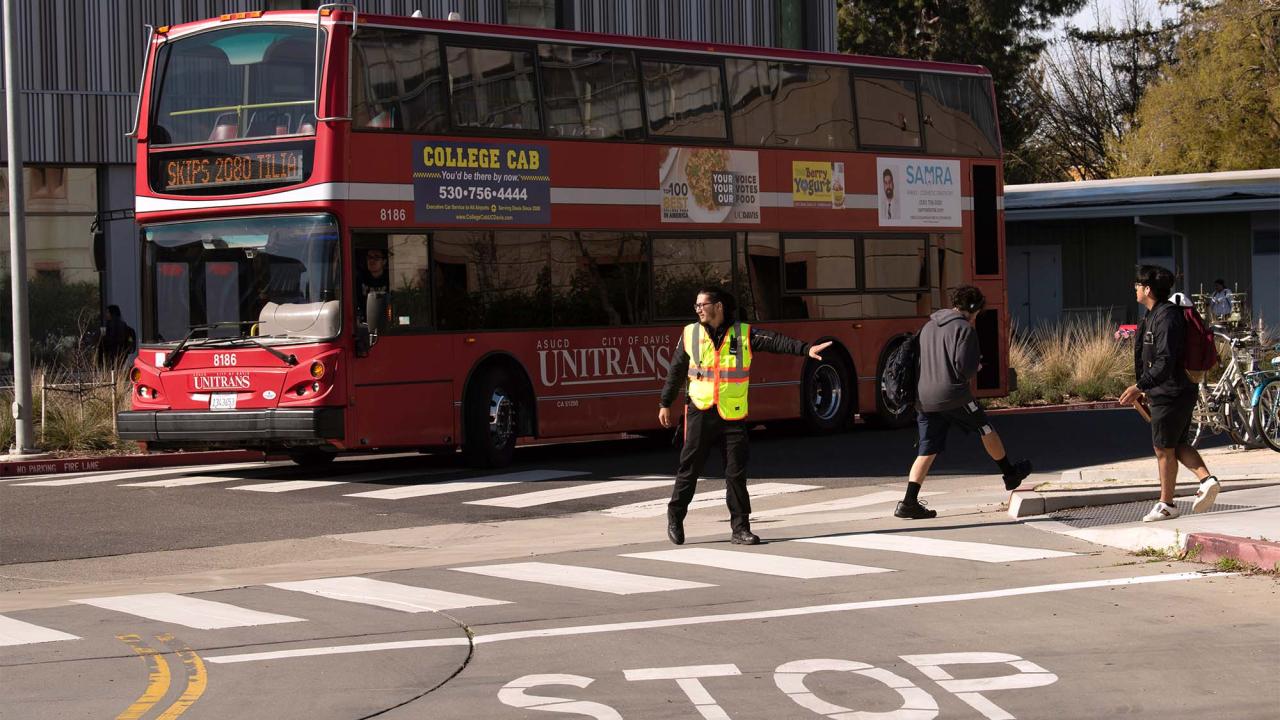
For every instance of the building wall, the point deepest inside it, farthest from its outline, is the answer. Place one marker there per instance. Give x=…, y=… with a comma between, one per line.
x=1099, y=255
x=1097, y=262
x=1218, y=246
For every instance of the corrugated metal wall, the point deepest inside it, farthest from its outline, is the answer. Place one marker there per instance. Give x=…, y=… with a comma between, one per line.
x=742, y=22
x=81, y=59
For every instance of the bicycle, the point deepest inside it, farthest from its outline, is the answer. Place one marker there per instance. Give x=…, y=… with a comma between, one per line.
x=1226, y=405
x=1265, y=403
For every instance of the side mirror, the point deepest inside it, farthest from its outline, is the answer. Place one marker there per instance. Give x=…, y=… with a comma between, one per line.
x=375, y=312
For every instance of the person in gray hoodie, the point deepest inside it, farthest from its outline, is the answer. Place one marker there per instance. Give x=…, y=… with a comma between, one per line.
x=949, y=360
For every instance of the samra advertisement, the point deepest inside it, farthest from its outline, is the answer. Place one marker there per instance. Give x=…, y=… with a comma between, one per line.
x=913, y=193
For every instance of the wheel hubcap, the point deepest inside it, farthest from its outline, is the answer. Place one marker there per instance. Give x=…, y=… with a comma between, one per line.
x=502, y=418
x=826, y=392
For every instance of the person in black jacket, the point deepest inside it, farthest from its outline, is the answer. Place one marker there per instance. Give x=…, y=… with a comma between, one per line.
x=705, y=428
x=1163, y=384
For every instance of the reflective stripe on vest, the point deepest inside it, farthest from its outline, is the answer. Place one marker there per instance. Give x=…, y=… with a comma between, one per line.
x=719, y=376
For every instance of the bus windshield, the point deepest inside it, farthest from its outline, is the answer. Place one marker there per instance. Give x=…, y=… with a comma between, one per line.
x=242, y=82
x=273, y=278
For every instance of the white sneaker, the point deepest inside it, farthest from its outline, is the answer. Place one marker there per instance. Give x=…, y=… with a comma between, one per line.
x=1162, y=511
x=1206, y=494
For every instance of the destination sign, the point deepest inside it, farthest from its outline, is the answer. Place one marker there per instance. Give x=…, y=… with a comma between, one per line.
x=231, y=169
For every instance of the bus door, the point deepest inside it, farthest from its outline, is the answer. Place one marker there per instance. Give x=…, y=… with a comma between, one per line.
x=403, y=390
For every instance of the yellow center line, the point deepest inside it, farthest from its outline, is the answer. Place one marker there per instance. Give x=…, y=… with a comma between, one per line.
x=158, y=679
x=197, y=680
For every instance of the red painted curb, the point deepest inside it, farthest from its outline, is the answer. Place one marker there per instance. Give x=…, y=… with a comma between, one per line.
x=1066, y=407
x=1213, y=547
x=18, y=468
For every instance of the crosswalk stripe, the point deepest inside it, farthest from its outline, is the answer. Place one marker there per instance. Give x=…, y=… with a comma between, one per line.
x=583, y=578
x=380, y=593
x=289, y=485
x=132, y=474
x=917, y=545
x=656, y=508
x=17, y=632
x=761, y=563
x=838, y=504
x=188, y=611
x=184, y=481
x=546, y=497
x=452, y=486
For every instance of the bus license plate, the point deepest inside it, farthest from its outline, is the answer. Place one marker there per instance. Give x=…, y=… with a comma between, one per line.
x=222, y=401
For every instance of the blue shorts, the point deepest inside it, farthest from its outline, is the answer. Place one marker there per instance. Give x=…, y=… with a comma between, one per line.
x=934, y=426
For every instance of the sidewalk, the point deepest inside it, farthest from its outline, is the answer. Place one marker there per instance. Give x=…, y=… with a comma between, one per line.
x=1105, y=505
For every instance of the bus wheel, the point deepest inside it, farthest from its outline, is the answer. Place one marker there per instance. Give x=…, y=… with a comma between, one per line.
x=827, y=394
x=491, y=417
x=311, y=456
x=886, y=416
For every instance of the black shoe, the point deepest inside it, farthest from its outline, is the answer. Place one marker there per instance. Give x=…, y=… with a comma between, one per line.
x=1021, y=470
x=675, y=531
x=744, y=537
x=914, y=510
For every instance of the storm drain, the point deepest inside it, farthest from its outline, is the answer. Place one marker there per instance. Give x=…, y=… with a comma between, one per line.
x=1087, y=517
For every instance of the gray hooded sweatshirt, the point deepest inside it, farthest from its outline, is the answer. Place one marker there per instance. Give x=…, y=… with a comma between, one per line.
x=949, y=358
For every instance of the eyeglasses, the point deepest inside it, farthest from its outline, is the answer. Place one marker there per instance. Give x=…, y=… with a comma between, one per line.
x=699, y=306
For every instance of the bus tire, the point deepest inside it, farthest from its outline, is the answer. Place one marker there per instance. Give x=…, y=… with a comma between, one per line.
x=828, y=394
x=492, y=419
x=311, y=456
x=885, y=417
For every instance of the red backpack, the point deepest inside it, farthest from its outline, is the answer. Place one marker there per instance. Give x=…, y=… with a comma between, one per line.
x=1200, y=352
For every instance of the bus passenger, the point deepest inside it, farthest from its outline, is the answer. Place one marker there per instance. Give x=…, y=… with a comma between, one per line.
x=714, y=356
x=371, y=276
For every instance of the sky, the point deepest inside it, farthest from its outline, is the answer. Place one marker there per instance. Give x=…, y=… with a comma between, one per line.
x=1114, y=10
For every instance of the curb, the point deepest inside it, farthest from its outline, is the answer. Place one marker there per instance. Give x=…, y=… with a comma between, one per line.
x=1065, y=407
x=1214, y=547
x=23, y=468
x=1027, y=503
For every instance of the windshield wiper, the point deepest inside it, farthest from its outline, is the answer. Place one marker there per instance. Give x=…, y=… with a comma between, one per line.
x=172, y=360
x=289, y=359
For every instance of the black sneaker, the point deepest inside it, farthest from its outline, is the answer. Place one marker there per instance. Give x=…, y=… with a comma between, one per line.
x=744, y=537
x=914, y=510
x=1021, y=470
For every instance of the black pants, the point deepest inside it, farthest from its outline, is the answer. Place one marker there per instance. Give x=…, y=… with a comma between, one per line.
x=704, y=430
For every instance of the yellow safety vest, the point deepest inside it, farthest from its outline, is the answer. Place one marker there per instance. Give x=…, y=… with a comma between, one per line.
x=719, y=376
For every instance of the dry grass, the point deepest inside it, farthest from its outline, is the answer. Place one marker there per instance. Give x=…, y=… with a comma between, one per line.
x=76, y=413
x=1079, y=360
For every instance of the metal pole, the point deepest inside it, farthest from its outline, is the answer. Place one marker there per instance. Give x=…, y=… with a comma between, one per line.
x=17, y=245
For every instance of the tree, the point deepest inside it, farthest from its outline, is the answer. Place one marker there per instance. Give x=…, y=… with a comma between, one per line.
x=999, y=34
x=1087, y=86
x=1218, y=107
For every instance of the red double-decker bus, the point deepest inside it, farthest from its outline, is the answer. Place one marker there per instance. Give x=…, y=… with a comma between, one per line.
x=370, y=233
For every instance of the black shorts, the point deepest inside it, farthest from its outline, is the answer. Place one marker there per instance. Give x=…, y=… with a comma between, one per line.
x=934, y=426
x=1171, y=421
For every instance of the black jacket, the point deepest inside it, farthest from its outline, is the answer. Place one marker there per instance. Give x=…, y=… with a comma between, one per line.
x=1157, y=354
x=761, y=341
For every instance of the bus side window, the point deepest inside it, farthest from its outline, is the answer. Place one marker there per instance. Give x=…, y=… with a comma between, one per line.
x=410, y=283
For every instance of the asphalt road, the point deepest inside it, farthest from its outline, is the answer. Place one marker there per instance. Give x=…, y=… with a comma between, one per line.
x=572, y=604
x=45, y=522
